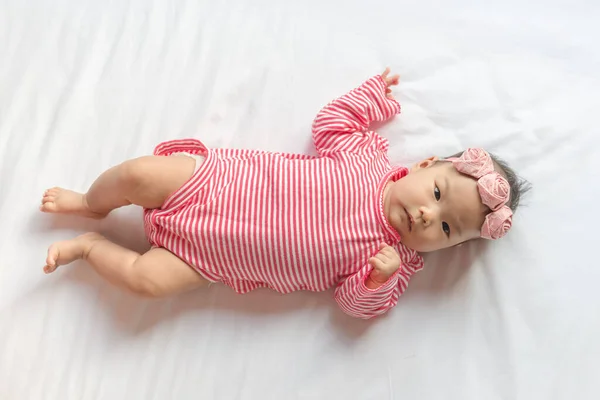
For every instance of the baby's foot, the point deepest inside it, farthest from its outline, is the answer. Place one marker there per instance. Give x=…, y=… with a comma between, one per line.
x=63, y=201
x=65, y=252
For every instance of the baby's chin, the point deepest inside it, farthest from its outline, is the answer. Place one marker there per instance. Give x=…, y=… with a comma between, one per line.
x=407, y=243
x=420, y=247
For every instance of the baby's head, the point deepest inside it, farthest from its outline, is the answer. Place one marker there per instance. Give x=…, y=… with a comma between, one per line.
x=445, y=202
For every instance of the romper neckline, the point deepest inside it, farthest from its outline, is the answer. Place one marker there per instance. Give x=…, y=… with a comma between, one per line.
x=396, y=173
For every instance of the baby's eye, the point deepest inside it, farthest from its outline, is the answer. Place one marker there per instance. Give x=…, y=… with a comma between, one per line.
x=446, y=228
x=436, y=193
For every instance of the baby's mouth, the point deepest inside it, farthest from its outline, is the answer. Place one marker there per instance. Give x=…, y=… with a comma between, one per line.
x=409, y=220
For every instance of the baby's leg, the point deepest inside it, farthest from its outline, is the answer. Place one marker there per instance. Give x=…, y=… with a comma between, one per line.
x=146, y=181
x=155, y=274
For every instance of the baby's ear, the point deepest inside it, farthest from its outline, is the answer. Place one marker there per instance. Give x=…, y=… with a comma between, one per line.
x=426, y=163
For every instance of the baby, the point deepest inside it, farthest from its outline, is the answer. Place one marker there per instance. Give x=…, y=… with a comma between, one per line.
x=345, y=218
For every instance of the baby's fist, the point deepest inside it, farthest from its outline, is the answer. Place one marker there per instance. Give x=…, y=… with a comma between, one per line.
x=385, y=263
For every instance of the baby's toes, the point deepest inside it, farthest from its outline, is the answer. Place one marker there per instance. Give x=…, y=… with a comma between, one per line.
x=47, y=195
x=48, y=205
x=48, y=269
x=51, y=259
x=53, y=192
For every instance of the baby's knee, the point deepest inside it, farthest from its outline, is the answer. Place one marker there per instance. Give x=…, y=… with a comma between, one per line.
x=147, y=286
x=133, y=173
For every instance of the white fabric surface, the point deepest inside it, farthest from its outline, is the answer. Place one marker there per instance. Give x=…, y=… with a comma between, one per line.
x=86, y=84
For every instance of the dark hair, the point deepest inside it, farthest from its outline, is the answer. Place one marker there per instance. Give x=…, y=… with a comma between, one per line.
x=518, y=185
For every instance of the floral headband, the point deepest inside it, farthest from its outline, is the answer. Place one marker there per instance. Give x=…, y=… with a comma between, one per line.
x=493, y=189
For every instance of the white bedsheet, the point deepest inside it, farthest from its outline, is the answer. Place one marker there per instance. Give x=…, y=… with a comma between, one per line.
x=86, y=84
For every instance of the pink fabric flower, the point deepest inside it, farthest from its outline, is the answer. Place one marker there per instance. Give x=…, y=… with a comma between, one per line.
x=474, y=162
x=497, y=223
x=493, y=189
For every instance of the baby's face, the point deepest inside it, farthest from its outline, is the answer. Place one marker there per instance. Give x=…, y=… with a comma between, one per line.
x=434, y=206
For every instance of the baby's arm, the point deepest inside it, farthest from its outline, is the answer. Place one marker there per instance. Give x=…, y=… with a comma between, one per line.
x=343, y=124
x=385, y=264
x=376, y=287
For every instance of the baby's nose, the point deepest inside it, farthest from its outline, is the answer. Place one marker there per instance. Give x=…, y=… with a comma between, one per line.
x=428, y=215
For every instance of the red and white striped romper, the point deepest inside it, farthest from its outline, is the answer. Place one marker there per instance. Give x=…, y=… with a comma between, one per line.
x=292, y=222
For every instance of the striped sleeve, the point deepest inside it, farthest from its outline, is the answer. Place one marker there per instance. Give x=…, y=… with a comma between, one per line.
x=343, y=124
x=357, y=300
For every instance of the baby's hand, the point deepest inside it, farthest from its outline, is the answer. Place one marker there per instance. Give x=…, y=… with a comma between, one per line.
x=389, y=81
x=385, y=263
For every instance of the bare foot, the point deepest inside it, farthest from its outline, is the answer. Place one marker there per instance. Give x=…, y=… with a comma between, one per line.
x=63, y=201
x=65, y=252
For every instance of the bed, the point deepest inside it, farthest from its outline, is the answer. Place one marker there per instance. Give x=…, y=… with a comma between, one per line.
x=86, y=84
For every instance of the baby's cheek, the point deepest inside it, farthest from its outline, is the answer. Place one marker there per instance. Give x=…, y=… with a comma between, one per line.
x=432, y=239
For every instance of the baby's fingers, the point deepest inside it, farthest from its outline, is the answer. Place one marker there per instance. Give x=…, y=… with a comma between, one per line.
x=376, y=263
x=385, y=74
x=386, y=249
x=390, y=254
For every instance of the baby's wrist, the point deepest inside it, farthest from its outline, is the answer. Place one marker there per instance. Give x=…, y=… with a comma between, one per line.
x=372, y=284
x=378, y=281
